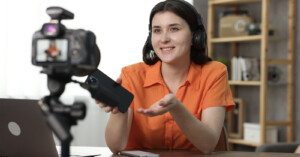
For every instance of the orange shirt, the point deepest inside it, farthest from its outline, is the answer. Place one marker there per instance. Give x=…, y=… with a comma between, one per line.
x=52, y=49
x=205, y=86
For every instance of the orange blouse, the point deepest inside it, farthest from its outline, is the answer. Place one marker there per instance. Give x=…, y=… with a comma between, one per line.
x=205, y=86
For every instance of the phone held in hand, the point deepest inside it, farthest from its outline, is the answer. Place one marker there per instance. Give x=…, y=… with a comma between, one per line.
x=138, y=153
x=109, y=92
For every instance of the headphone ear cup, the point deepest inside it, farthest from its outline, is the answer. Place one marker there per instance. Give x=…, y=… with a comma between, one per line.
x=199, y=39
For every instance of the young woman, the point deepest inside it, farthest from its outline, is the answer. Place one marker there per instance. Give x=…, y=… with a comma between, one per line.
x=180, y=95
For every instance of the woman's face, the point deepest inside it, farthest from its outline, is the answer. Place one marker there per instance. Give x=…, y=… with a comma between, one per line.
x=52, y=43
x=171, y=37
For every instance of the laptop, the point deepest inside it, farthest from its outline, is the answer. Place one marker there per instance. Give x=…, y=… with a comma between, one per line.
x=23, y=130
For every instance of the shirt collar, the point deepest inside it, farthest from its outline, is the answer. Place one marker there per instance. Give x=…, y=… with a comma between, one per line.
x=153, y=75
x=194, y=75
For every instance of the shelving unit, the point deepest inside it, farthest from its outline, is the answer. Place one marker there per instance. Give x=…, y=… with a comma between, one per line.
x=264, y=40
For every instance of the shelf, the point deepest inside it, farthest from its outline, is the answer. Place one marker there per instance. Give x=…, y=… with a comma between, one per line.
x=245, y=83
x=279, y=61
x=264, y=41
x=245, y=39
x=278, y=123
x=237, y=39
x=243, y=142
x=232, y=2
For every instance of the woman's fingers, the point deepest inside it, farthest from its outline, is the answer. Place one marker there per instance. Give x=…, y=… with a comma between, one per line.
x=101, y=105
x=146, y=112
x=119, y=80
x=108, y=109
x=115, y=110
x=140, y=110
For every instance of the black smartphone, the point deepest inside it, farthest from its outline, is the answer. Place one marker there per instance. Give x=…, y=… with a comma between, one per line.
x=109, y=92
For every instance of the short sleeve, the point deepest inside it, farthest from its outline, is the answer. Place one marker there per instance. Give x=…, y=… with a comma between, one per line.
x=218, y=92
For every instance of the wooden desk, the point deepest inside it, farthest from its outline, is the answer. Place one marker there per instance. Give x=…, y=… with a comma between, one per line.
x=105, y=152
x=218, y=154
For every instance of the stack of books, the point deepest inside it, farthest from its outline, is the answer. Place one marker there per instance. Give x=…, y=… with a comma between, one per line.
x=244, y=69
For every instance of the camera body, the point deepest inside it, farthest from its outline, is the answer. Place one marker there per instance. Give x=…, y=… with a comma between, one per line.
x=64, y=51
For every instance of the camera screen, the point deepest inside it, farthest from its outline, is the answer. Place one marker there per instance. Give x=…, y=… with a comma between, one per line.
x=52, y=50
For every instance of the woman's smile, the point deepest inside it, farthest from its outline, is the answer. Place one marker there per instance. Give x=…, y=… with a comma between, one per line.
x=167, y=50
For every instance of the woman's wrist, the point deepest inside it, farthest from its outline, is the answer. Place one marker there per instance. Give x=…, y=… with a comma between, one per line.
x=176, y=107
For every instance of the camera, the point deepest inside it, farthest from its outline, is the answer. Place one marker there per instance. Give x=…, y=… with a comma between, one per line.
x=64, y=51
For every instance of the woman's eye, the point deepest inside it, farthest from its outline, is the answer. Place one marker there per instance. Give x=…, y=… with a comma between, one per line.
x=174, y=29
x=156, y=30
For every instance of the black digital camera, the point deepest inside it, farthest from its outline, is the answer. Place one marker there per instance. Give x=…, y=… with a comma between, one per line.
x=64, y=51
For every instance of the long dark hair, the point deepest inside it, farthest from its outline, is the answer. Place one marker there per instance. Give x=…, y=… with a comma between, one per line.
x=190, y=15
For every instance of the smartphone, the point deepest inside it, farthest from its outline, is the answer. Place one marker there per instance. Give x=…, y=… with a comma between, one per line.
x=109, y=92
x=138, y=153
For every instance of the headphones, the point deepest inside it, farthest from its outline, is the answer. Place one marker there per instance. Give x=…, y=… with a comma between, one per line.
x=199, y=36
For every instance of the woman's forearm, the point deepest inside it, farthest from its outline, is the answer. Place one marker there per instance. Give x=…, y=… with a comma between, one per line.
x=117, y=130
x=203, y=136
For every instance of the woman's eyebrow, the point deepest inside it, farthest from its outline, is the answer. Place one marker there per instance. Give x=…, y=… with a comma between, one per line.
x=170, y=25
x=174, y=24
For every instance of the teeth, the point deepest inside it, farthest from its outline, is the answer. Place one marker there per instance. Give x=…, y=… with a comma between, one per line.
x=166, y=49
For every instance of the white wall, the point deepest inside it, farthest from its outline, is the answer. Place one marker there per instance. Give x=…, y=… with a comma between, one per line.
x=121, y=27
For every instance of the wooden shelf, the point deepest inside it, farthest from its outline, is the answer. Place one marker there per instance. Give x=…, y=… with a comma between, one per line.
x=263, y=41
x=279, y=61
x=237, y=39
x=245, y=83
x=243, y=142
x=232, y=2
x=245, y=39
x=278, y=123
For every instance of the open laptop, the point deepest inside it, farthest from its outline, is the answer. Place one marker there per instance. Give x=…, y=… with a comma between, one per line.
x=23, y=130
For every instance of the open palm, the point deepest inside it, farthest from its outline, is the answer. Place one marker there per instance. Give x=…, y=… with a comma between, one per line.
x=160, y=107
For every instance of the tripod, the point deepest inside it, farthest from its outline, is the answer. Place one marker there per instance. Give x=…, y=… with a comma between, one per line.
x=61, y=117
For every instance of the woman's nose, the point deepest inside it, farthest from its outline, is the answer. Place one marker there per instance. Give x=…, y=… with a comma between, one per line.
x=165, y=37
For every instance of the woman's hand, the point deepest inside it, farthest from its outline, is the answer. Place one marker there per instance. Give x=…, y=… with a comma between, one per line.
x=107, y=108
x=160, y=107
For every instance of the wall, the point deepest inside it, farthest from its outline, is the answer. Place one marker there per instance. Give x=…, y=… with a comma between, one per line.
x=276, y=107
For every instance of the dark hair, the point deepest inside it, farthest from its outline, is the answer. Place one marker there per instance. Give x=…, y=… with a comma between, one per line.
x=190, y=15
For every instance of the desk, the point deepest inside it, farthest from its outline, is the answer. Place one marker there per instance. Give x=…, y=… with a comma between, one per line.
x=105, y=152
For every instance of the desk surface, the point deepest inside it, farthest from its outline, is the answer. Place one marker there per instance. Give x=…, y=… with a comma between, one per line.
x=105, y=152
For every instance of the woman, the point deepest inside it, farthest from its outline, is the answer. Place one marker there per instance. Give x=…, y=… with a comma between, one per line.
x=180, y=95
x=52, y=51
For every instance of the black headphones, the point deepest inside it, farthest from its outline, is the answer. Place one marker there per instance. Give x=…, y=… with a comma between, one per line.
x=199, y=36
